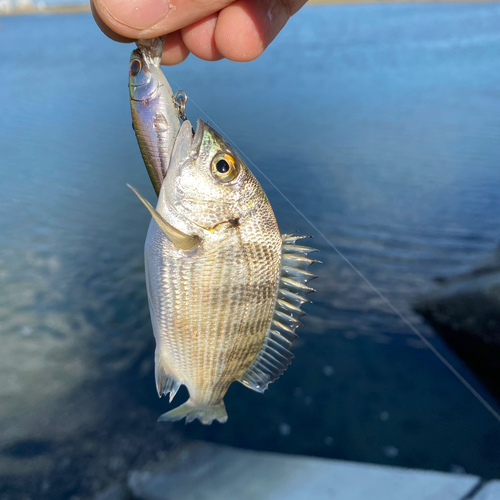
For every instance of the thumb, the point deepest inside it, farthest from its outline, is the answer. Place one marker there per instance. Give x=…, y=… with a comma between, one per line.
x=127, y=17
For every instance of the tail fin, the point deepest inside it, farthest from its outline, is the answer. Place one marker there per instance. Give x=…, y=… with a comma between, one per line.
x=206, y=414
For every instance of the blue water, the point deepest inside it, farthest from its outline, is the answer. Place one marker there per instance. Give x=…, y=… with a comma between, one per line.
x=379, y=122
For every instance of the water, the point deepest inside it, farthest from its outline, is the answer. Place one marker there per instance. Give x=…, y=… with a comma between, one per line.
x=380, y=122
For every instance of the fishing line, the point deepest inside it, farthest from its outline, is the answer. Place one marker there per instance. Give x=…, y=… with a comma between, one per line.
x=363, y=277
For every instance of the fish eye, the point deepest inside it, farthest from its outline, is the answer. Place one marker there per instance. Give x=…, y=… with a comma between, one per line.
x=135, y=67
x=224, y=168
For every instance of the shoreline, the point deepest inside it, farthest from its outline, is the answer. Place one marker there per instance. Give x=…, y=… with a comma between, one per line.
x=53, y=9
x=85, y=8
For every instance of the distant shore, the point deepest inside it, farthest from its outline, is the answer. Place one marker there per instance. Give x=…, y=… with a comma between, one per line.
x=48, y=9
x=85, y=7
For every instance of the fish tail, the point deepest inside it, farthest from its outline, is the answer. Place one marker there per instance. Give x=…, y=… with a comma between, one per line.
x=205, y=414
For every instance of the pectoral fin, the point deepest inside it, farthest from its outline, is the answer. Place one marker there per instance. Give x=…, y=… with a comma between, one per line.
x=178, y=238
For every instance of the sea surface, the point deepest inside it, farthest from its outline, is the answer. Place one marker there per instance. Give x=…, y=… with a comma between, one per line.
x=380, y=123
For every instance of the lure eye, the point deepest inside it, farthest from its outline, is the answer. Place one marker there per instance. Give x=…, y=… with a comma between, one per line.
x=224, y=168
x=135, y=67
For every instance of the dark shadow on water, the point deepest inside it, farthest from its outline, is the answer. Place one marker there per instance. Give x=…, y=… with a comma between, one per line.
x=28, y=448
x=124, y=436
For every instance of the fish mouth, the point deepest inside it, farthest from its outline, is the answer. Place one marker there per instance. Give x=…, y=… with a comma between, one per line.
x=198, y=138
x=187, y=145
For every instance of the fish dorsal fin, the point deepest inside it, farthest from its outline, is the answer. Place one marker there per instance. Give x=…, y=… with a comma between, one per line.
x=165, y=383
x=276, y=353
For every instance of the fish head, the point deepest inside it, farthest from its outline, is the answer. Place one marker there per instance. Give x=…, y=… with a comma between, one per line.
x=207, y=182
x=144, y=69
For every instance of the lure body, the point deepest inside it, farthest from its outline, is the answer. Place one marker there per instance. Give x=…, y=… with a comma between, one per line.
x=155, y=117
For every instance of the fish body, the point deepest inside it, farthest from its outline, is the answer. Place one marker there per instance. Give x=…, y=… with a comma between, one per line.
x=155, y=118
x=226, y=309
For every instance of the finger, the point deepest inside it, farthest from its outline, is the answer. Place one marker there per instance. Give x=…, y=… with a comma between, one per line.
x=106, y=29
x=200, y=38
x=246, y=27
x=175, y=50
x=149, y=18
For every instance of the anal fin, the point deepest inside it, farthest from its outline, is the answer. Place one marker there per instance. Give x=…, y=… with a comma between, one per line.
x=276, y=353
x=165, y=383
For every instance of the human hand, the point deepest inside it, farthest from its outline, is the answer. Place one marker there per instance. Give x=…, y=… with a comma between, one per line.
x=238, y=30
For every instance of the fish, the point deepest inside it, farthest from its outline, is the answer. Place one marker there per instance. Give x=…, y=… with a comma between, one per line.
x=155, y=115
x=225, y=287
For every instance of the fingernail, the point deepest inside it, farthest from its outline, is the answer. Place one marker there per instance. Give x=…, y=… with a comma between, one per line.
x=138, y=14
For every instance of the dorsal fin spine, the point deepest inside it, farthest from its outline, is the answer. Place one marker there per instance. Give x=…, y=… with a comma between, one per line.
x=293, y=237
x=298, y=249
x=296, y=284
x=280, y=357
x=285, y=343
x=276, y=348
x=297, y=260
x=287, y=307
x=293, y=271
x=265, y=368
x=271, y=362
x=283, y=327
x=294, y=298
x=294, y=322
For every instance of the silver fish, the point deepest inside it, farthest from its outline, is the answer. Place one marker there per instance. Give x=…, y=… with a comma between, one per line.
x=155, y=117
x=225, y=288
